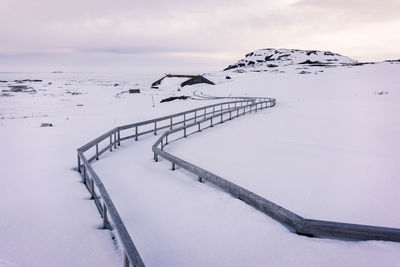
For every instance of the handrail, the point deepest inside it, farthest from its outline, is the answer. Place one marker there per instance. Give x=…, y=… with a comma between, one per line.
x=93, y=182
x=298, y=224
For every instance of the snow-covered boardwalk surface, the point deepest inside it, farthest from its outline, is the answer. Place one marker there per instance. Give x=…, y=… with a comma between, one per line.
x=332, y=139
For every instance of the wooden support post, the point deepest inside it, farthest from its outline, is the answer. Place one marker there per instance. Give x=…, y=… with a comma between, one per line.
x=105, y=219
x=91, y=188
x=155, y=128
x=111, y=142
x=119, y=137
x=200, y=179
x=126, y=261
x=173, y=166
x=79, y=163
x=84, y=174
x=136, y=133
x=97, y=151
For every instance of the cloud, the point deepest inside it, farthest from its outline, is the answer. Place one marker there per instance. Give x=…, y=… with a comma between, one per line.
x=177, y=27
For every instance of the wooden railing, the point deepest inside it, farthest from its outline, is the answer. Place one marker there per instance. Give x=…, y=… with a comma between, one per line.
x=112, y=139
x=181, y=125
x=298, y=224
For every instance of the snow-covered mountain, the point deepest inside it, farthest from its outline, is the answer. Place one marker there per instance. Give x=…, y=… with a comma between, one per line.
x=273, y=59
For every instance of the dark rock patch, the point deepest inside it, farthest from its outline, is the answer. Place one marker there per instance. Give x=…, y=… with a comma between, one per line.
x=283, y=57
x=231, y=67
x=20, y=88
x=249, y=54
x=46, y=124
x=134, y=91
x=228, y=77
x=381, y=93
x=269, y=58
x=34, y=81
x=310, y=52
x=304, y=72
x=172, y=98
x=251, y=63
x=73, y=93
x=272, y=66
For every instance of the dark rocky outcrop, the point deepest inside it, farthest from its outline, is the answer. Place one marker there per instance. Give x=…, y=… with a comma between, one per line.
x=172, y=98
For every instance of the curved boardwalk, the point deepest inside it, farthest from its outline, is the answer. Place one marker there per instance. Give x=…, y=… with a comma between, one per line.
x=181, y=125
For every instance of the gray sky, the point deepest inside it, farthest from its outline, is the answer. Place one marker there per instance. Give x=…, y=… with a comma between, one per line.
x=179, y=35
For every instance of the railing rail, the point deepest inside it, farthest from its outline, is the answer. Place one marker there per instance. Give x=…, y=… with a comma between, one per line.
x=296, y=223
x=197, y=120
x=112, y=139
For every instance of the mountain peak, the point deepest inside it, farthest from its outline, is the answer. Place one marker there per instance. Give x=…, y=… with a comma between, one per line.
x=269, y=58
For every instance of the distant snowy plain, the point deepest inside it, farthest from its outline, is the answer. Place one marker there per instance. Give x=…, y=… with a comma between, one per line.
x=328, y=150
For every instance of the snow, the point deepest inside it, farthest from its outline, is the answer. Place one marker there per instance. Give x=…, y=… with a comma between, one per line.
x=274, y=60
x=328, y=150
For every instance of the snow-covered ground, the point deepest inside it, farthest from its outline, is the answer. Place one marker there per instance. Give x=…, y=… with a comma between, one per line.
x=327, y=150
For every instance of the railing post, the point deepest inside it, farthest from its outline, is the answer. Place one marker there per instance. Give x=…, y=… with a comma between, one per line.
x=173, y=166
x=184, y=132
x=212, y=122
x=195, y=115
x=136, y=133
x=115, y=140
x=184, y=119
x=105, y=219
x=162, y=144
x=213, y=110
x=84, y=174
x=155, y=157
x=79, y=163
x=205, y=112
x=119, y=137
x=166, y=140
x=111, y=142
x=230, y=115
x=170, y=127
x=199, y=126
x=200, y=179
x=222, y=120
x=155, y=128
x=97, y=151
x=126, y=261
x=92, y=189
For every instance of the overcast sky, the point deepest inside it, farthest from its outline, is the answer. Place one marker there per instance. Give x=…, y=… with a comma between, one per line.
x=184, y=35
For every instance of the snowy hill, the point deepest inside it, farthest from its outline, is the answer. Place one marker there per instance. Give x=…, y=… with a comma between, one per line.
x=275, y=59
